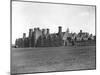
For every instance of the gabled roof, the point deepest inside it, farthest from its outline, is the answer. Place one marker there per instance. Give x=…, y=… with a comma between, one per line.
x=66, y=34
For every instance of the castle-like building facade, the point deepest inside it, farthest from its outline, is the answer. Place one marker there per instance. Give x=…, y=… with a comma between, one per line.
x=43, y=38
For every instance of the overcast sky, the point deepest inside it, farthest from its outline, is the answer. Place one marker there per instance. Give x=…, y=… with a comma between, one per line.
x=27, y=15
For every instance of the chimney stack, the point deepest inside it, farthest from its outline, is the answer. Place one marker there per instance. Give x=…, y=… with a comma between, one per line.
x=24, y=35
x=43, y=31
x=68, y=30
x=80, y=31
x=34, y=29
x=30, y=33
x=60, y=29
x=38, y=29
x=47, y=31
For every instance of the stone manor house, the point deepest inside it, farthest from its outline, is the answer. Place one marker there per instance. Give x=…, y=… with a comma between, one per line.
x=43, y=38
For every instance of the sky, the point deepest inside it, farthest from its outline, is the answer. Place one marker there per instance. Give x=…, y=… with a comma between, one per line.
x=26, y=15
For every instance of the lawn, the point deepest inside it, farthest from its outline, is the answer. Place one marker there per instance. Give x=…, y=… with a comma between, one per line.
x=28, y=60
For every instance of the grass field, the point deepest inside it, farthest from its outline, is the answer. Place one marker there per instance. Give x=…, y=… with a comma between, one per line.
x=30, y=60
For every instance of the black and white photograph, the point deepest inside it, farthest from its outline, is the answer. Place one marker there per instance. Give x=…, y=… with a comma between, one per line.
x=52, y=37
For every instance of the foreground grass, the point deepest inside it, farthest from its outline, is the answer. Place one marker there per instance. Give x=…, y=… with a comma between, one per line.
x=27, y=60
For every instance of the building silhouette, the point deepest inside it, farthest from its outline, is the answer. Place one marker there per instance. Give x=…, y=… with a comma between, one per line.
x=43, y=38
